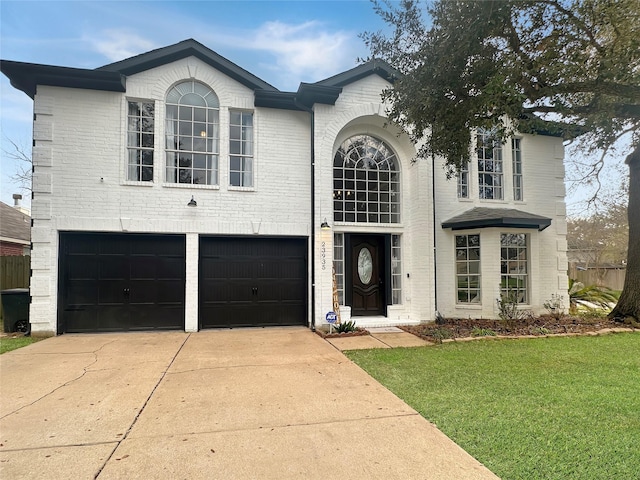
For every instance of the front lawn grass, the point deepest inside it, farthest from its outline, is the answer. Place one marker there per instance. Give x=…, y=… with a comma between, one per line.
x=552, y=408
x=12, y=343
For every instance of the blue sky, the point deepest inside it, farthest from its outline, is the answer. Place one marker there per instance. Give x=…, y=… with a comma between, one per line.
x=282, y=42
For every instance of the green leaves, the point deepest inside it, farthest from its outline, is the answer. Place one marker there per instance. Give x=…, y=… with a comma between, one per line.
x=497, y=63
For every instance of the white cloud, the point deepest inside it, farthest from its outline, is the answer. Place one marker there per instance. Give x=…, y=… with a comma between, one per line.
x=306, y=51
x=118, y=44
x=283, y=54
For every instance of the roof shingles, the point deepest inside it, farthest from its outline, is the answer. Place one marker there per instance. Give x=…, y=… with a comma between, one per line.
x=484, y=217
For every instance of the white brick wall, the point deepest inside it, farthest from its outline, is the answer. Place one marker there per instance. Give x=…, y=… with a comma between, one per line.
x=359, y=110
x=79, y=179
x=543, y=174
x=80, y=185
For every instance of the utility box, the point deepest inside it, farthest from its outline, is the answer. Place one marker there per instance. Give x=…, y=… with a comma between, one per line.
x=15, y=307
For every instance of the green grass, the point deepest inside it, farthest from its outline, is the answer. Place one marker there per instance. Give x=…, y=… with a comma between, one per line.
x=8, y=343
x=552, y=408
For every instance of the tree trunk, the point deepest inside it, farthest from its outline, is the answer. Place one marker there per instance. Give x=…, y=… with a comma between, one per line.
x=628, y=308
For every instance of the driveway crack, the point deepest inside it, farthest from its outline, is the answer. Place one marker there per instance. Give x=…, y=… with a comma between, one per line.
x=144, y=405
x=85, y=369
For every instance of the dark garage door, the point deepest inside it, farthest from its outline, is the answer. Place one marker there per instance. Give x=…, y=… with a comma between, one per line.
x=252, y=281
x=118, y=282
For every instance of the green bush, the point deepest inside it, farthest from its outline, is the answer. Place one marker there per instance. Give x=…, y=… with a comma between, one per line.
x=482, y=332
x=345, y=327
x=585, y=296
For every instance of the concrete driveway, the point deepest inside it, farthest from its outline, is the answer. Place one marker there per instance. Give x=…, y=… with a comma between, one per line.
x=231, y=404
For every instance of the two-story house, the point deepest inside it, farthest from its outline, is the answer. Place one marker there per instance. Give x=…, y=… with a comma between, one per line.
x=176, y=190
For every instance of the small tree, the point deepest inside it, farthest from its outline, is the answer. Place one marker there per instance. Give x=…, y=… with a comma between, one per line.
x=569, y=67
x=24, y=167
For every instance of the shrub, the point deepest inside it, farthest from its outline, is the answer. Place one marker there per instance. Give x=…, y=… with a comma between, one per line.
x=345, y=327
x=555, y=306
x=540, y=331
x=508, y=310
x=441, y=333
x=590, y=297
x=482, y=332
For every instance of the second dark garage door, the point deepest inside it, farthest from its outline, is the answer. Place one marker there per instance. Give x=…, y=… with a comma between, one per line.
x=248, y=281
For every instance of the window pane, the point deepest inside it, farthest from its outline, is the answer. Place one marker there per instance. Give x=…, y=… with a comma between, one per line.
x=147, y=174
x=235, y=147
x=234, y=118
x=133, y=174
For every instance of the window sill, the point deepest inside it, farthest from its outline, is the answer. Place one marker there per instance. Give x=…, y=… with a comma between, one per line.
x=191, y=186
x=233, y=188
x=469, y=306
x=138, y=184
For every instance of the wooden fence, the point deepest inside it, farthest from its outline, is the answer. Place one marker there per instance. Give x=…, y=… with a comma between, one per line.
x=14, y=273
x=604, y=277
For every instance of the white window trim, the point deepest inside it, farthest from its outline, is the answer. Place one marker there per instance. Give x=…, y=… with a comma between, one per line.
x=239, y=188
x=157, y=142
x=529, y=274
x=522, y=176
x=164, y=150
x=472, y=305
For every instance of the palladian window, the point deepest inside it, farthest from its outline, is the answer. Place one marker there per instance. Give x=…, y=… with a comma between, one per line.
x=366, y=182
x=192, y=132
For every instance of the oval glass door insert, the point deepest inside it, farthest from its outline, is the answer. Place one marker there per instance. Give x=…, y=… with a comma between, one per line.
x=365, y=265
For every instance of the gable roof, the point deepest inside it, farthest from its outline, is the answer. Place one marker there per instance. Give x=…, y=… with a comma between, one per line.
x=484, y=217
x=372, y=67
x=184, y=49
x=15, y=226
x=112, y=77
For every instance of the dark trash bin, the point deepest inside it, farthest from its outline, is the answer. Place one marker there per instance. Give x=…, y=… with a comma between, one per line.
x=15, y=308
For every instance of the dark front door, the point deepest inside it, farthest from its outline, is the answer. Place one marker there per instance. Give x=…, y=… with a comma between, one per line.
x=367, y=275
x=118, y=282
x=248, y=281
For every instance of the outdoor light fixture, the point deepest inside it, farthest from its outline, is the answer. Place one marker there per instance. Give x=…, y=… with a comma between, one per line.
x=192, y=202
x=324, y=225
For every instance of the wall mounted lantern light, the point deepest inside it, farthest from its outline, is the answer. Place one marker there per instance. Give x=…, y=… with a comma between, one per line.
x=192, y=202
x=324, y=225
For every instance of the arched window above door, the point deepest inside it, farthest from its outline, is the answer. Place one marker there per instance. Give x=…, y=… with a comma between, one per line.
x=366, y=182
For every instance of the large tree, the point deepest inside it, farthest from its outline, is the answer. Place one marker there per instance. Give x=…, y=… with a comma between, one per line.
x=569, y=67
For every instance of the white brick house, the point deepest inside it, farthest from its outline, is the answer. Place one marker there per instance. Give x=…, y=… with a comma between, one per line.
x=176, y=190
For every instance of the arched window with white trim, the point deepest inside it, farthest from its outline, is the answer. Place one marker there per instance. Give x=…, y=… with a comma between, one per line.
x=192, y=132
x=366, y=182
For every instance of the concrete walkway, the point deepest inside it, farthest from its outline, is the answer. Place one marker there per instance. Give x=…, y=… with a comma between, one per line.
x=379, y=337
x=227, y=404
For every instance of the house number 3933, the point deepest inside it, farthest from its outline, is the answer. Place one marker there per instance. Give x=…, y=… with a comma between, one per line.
x=323, y=254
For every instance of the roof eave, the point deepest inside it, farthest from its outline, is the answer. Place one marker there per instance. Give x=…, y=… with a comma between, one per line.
x=372, y=67
x=502, y=222
x=27, y=76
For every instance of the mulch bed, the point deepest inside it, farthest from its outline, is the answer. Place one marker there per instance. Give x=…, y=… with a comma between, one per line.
x=359, y=332
x=458, y=328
